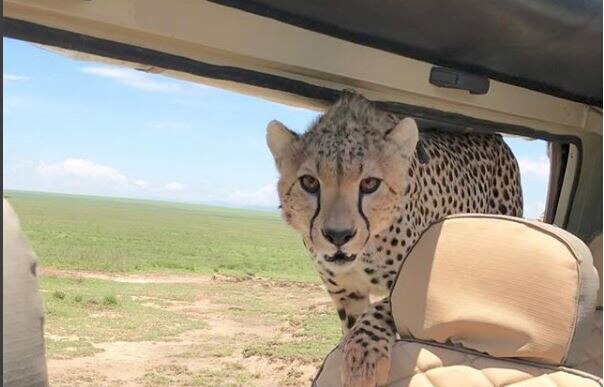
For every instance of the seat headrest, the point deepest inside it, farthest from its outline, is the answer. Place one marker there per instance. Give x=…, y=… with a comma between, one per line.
x=500, y=285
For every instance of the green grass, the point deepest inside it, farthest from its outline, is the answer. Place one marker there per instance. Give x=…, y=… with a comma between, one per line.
x=221, y=378
x=83, y=315
x=172, y=375
x=318, y=335
x=99, y=311
x=122, y=235
x=215, y=349
x=69, y=348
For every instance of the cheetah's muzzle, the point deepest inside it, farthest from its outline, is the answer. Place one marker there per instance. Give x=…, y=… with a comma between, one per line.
x=340, y=258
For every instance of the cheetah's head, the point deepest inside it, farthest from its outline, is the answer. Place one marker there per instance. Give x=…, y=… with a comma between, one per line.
x=342, y=181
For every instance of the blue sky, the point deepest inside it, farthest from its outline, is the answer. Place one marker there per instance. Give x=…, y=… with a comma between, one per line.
x=83, y=127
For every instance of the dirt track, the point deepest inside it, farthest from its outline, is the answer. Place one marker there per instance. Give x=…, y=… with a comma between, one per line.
x=197, y=356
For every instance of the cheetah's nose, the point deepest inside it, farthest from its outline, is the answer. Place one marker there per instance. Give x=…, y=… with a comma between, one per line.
x=338, y=237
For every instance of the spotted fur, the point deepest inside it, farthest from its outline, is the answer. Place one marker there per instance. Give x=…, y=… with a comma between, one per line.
x=424, y=178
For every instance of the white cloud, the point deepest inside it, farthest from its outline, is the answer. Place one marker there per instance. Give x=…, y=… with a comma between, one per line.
x=80, y=168
x=175, y=186
x=263, y=196
x=534, y=168
x=14, y=77
x=132, y=78
x=82, y=176
x=141, y=184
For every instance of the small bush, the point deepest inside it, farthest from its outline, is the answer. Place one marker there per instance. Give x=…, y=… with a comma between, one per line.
x=78, y=298
x=58, y=294
x=109, y=300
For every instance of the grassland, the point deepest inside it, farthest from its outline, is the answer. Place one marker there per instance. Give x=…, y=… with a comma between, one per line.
x=151, y=293
x=121, y=235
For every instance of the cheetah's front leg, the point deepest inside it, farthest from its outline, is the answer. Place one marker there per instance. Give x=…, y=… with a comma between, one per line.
x=367, y=347
x=350, y=305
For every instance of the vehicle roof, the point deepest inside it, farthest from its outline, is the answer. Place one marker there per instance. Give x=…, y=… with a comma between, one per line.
x=551, y=46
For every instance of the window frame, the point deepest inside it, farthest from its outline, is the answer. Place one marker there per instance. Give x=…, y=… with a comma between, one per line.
x=41, y=34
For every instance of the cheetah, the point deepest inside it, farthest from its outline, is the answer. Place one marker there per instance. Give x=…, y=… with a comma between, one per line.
x=360, y=186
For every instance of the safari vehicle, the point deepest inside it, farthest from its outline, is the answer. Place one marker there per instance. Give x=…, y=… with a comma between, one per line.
x=531, y=69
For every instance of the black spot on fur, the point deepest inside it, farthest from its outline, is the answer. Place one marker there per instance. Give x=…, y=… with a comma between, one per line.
x=503, y=209
x=350, y=321
x=356, y=296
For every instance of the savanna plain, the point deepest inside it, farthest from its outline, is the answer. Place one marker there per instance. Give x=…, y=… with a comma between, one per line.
x=144, y=293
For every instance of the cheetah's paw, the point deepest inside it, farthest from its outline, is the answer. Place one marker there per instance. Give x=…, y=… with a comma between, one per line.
x=365, y=365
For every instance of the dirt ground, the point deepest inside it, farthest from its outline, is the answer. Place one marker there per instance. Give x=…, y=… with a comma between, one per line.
x=221, y=354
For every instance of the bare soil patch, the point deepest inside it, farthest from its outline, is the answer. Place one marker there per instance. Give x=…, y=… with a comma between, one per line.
x=240, y=314
x=128, y=278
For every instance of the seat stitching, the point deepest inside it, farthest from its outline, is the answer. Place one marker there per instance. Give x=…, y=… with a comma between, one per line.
x=486, y=377
x=430, y=380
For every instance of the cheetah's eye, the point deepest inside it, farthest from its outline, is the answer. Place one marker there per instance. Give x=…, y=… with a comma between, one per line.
x=309, y=184
x=370, y=185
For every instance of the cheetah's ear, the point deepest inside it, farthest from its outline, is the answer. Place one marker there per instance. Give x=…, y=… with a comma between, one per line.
x=279, y=139
x=405, y=134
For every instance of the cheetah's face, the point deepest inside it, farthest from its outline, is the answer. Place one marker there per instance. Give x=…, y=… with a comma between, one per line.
x=337, y=194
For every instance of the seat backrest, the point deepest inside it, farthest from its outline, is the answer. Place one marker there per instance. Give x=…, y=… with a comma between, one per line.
x=507, y=287
x=492, y=300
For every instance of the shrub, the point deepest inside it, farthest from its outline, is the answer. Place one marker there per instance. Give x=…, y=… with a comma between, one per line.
x=109, y=300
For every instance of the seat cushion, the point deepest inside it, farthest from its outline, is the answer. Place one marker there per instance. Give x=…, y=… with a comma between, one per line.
x=417, y=364
x=500, y=285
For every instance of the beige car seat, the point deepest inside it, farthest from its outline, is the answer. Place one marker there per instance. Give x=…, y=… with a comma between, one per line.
x=23, y=354
x=592, y=357
x=486, y=300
